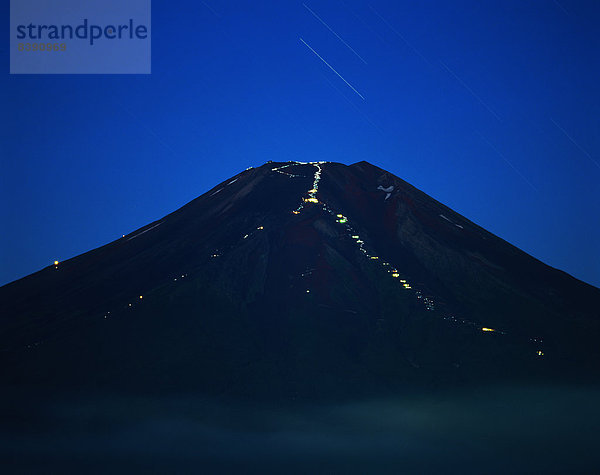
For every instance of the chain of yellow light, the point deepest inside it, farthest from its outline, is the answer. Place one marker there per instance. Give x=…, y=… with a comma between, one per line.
x=341, y=219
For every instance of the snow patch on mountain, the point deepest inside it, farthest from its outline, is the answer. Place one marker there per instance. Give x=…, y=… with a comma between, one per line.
x=450, y=221
x=144, y=231
x=387, y=191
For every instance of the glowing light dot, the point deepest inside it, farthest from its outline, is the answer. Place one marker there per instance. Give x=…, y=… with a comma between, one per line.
x=141, y=296
x=55, y=263
x=484, y=329
x=540, y=353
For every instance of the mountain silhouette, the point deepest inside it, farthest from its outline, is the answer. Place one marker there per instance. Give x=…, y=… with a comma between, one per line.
x=299, y=280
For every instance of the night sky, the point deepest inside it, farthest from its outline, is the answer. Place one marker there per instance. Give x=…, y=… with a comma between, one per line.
x=492, y=108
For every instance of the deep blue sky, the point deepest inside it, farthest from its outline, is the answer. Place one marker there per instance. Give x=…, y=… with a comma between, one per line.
x=493, y=108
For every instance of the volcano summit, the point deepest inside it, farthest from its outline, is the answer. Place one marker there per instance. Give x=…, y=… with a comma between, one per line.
x=299, y=281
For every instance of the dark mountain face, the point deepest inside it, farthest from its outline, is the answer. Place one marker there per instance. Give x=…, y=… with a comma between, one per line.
x=293, y=280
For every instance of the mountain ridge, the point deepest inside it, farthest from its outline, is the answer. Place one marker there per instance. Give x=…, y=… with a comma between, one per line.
x=326, y=268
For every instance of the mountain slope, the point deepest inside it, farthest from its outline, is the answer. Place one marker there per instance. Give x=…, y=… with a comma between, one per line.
x=299, y=279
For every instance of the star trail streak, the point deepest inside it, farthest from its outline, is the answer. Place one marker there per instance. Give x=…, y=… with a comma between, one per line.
x=576, y=144
x=336, y=35
x=331, y=67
